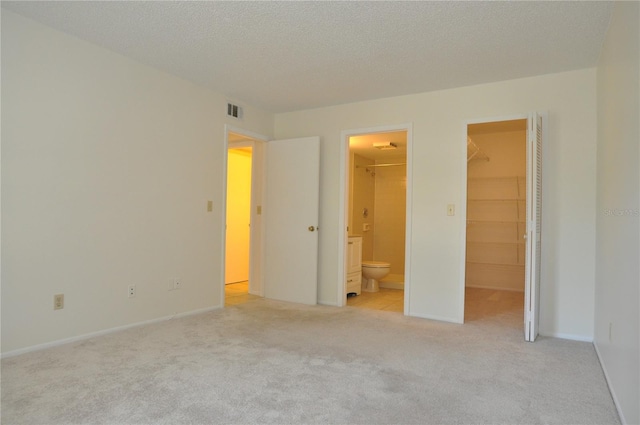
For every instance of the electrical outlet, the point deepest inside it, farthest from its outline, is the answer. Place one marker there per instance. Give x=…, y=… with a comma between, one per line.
x=58, y=301
x=610, y=331
x=451, y=209
x=132, y=291
x=174, y=284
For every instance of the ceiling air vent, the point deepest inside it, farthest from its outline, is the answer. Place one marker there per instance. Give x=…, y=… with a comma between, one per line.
x=234, y=111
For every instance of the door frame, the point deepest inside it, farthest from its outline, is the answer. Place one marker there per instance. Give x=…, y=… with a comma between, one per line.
x=256, y=142
x=343, y=209
x=463, y=199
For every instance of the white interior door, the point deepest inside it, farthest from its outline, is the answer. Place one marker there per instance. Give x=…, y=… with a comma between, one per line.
x=291, y=217
x=534, y=217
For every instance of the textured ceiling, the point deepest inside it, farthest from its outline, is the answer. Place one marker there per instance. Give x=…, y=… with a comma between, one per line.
x=284, y=56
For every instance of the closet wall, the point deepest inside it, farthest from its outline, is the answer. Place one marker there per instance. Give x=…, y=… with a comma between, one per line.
x=496, y=214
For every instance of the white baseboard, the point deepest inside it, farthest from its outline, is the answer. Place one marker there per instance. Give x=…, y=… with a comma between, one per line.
x=51, y=344
x=391, y=285
x=393, y=277
x=438, y=318
x=571, y=337
x=606, y=377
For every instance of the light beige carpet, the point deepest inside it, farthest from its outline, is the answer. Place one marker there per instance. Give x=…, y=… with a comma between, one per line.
x=273, y=362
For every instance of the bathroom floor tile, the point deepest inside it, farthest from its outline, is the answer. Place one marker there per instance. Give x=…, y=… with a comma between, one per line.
x=385, y=299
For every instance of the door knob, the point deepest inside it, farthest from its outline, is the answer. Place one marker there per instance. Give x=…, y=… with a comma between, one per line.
x=311, y=228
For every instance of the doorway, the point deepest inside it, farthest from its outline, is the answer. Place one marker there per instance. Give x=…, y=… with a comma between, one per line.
x=238, y=215
x=496, y=222
x=376, y=188
x=238, y=237
x=283, y=247
x=242, y=246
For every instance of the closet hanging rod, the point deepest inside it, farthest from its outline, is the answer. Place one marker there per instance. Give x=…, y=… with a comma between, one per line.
x=381, y=165
x=474, y=152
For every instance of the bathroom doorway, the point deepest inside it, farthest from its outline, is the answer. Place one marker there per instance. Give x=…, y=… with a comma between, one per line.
x=496, y=222
x=376, y=219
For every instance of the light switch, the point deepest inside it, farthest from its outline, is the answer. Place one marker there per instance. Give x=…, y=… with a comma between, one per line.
x=451, y=209
x=209, y=206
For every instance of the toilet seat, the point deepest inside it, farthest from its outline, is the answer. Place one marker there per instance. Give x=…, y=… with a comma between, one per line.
x=375, y=264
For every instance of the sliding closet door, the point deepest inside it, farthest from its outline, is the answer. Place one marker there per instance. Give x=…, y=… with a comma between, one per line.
x=534, y=227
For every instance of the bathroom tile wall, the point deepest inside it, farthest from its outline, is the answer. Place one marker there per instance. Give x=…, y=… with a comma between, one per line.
x=390, y=215
x=362, y=196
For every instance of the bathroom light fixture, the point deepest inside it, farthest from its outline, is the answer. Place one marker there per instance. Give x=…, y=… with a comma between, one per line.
x=383, y=146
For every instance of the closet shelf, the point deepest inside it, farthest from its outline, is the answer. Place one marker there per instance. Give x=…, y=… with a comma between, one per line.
x=495, y=264
x=495, y=200
x=475, y=220
x=496, y=223
x=474, y=152
x=487, y=179
x=495, y=243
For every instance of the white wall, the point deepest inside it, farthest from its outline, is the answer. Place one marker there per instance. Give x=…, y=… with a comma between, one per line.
x=439, y=166
x=618, y=210
x=107, y=166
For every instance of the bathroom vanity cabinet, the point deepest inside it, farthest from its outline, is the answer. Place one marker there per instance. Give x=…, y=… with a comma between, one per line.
x=354, y=265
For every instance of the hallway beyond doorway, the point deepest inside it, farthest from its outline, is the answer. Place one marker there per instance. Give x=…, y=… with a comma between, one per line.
x=238, y=293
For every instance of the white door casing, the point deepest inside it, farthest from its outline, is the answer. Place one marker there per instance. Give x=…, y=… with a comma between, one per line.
x=534, y=228
x=343, y=219
x=292, y=180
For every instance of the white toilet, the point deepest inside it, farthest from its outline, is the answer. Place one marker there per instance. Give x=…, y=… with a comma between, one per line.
x=372, y=272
